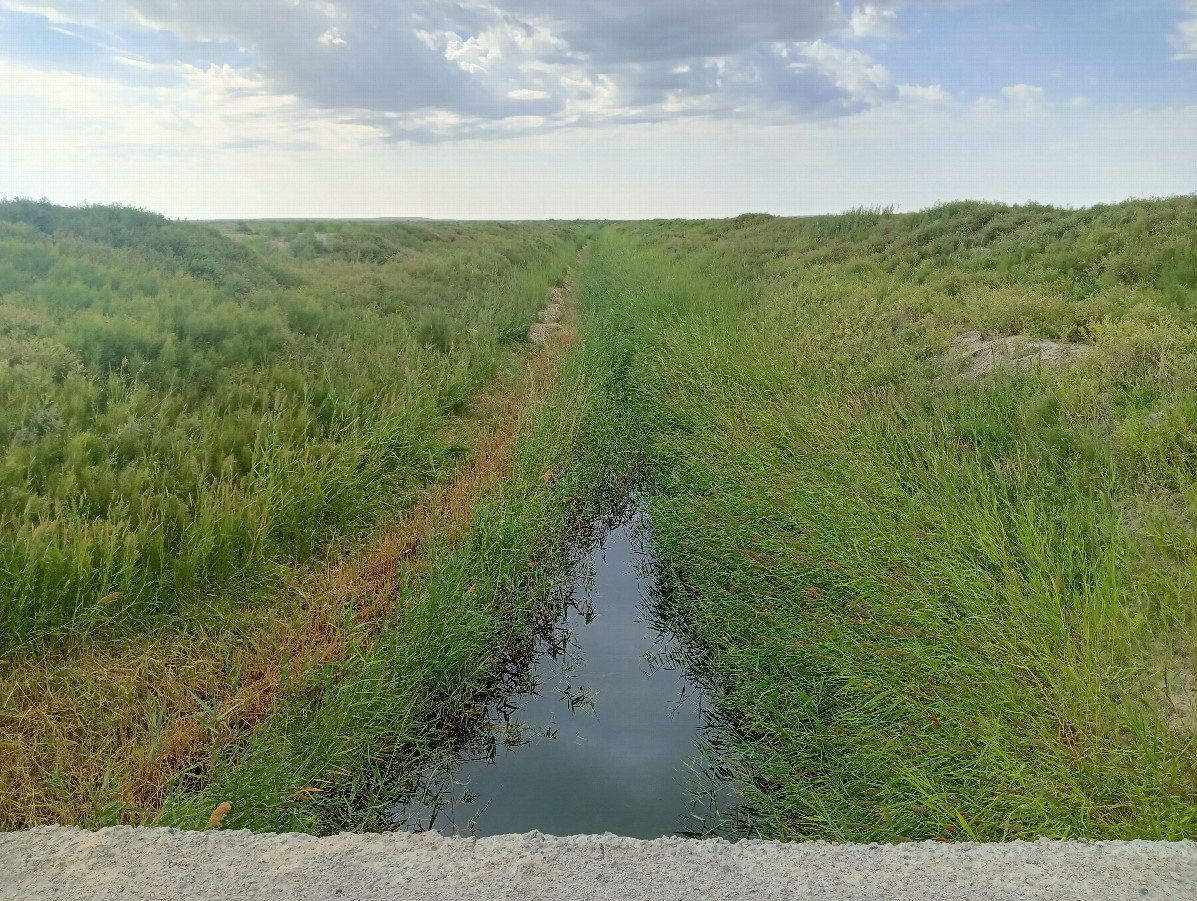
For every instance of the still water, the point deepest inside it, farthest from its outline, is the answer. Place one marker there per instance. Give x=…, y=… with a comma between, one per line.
x=603, y=731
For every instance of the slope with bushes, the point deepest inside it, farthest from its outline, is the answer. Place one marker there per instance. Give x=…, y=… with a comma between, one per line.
x=179, y=408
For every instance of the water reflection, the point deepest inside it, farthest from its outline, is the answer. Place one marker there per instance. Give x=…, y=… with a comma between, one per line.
x=602, y=729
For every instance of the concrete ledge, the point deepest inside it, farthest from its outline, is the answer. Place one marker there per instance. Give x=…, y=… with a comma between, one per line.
x=126, y=863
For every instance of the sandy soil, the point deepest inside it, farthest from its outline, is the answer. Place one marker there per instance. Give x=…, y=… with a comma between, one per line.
x=550, y=318
x=983, y=354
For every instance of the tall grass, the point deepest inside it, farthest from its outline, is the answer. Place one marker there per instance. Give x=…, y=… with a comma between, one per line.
x=936, y=606
x=934, y=603
x=179, y=409
x=342, y=750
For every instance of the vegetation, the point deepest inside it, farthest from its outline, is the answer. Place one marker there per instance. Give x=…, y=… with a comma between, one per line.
x=179, y=409
x=345, y=746
x=189, y=424
x=940, y=604
x=943, y=580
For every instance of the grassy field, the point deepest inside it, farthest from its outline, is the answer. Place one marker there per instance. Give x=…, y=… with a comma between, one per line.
x=179, y=409
x=339, y=751
x=924, y=488
x=943, y=598
x=193, y=427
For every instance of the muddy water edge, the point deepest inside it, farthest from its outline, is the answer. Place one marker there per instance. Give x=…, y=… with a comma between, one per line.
x=599, y=723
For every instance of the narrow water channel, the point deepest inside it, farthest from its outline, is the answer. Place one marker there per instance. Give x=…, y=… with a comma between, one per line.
x=605, y=731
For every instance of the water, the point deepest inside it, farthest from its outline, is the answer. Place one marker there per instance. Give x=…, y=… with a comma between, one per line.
x=604, y=731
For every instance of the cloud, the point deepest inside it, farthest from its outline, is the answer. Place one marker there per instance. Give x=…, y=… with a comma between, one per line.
x=1185, y=39
x=853, y=72
x=1024, y=96
x=203, y=112
x=872, y=21
x=423, y=70
x=609, y=32
x=538, y=108
x=906, y=152
x=1018, y=105
x=932, y=94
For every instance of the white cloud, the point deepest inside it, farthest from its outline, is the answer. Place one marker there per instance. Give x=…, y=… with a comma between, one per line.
x=852, y=71
x=332, y=38
x=613, y=108
x=498, y=67
x=1025, y=96
x=135, y=63
x=1185, y=39
x=872, y=21
x=929, y=94
x=214, y=108
x=909, y=152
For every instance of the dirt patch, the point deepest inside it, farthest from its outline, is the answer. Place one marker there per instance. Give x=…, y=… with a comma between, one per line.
x=324, y=239
x=983, y=354
x=1179, y=688
x=549, y=323
x=97, y=734
x=1174, y=690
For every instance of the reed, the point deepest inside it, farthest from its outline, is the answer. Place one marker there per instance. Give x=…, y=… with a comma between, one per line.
x=180, y=409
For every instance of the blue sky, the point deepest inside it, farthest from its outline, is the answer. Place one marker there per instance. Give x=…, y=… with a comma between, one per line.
x=42, y=44
x=608, y=108
x=1115, y=50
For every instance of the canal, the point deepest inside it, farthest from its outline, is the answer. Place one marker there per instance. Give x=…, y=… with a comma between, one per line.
x=604, y=729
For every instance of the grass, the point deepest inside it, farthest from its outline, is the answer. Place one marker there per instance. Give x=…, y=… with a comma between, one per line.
x=336, y=755
x=134, y=647
x=934, y=603
x=180, y=409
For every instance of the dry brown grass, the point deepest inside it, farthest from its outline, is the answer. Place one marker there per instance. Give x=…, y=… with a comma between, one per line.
x=97, y=732
x=218, y=815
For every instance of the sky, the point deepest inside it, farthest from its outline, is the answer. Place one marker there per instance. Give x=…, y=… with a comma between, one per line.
x=615, y=109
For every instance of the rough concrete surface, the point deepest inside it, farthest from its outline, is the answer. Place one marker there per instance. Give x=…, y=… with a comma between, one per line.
x=125, y=863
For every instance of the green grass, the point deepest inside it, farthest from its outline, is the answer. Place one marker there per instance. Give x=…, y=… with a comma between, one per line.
x=934, y=604
x=361, y=726
x=179, y=409
x=193, y=426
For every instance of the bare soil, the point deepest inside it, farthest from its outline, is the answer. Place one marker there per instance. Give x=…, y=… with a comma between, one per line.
x=984, y=354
